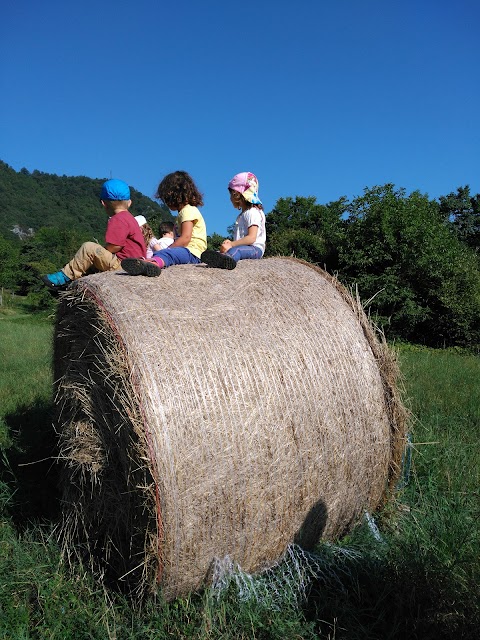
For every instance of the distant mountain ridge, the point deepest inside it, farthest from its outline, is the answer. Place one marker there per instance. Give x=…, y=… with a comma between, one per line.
x=31, y=200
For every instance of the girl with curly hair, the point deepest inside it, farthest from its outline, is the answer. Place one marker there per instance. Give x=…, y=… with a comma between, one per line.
x=179, y=192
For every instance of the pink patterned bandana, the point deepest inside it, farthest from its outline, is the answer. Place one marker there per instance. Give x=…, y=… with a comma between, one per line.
x=246, y=183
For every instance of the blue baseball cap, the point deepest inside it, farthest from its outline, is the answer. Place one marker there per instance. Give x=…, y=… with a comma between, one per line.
x=115, y=190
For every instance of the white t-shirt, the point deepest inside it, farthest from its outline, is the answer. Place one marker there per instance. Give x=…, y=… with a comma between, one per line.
x=246, y=219
x=164, y=242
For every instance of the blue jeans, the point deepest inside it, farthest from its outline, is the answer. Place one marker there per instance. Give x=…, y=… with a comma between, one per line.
x=245, y=252
x=176, y=255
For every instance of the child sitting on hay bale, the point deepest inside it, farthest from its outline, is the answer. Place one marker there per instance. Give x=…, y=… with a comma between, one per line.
x=167, y=235
x=123, y=239
x=180, y=193
x=249, y=235
x=151, y=242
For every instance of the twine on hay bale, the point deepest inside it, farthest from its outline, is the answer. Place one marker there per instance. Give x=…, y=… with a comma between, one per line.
x=209, y=413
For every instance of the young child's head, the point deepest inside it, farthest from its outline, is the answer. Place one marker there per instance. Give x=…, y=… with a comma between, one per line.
x=178, y=189
x=115, y=195
x=145, y=227
x=243, y=188
x=166, y=229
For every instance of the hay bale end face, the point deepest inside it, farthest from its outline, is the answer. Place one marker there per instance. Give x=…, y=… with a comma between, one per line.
x=209, y=412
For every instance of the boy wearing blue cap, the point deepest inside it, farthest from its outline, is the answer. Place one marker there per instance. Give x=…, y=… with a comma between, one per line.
x=123, y=238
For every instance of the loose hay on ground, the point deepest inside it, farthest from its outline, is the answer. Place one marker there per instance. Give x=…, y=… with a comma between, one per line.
x=209, y=413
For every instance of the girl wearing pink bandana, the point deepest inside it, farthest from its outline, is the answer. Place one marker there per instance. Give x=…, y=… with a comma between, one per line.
x=249, y=233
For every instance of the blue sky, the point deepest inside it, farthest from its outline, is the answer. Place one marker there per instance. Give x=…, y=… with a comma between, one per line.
x=315, y=97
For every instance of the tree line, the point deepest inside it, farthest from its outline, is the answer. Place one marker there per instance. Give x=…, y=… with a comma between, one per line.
x=413, y=260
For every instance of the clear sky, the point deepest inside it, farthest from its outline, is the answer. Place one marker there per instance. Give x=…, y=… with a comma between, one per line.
x=316, y=97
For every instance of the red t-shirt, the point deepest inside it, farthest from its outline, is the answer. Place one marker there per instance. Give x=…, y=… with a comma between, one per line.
x=124, y=231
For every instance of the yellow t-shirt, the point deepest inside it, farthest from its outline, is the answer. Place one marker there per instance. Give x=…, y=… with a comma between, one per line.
x=198, y=243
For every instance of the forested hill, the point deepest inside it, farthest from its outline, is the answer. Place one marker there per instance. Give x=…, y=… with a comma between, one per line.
x=33, y=200
x=414, y=260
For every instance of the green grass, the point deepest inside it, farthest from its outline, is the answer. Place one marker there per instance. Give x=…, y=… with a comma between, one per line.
x=421, y=581
x=26, y=357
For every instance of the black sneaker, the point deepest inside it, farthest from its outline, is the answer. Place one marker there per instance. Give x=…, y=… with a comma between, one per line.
x=139, y=267
x=218, y=260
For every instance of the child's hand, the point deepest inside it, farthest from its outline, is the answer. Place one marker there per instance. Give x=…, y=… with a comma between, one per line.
x=225, y=246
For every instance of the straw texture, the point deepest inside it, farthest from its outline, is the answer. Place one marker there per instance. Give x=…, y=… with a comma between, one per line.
x=208, y=413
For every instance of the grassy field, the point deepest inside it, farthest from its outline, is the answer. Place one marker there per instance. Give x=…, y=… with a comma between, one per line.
x=416, y=576
x=25, y=354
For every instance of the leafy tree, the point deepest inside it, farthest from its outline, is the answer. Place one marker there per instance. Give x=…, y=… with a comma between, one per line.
x=48, y=250
x=214, y=241
x=301, y=243
x=423, y=282
x=462, y=211
x=306, y=229
x=9, y=259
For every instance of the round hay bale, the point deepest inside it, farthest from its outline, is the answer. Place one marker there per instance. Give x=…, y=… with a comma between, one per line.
x=210, y=412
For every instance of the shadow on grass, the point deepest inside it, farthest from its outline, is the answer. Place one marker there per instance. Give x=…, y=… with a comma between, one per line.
x=29, y=468
x=395, y=598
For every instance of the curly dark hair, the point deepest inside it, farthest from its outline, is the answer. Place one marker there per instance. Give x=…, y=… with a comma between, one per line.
x=178, y=189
